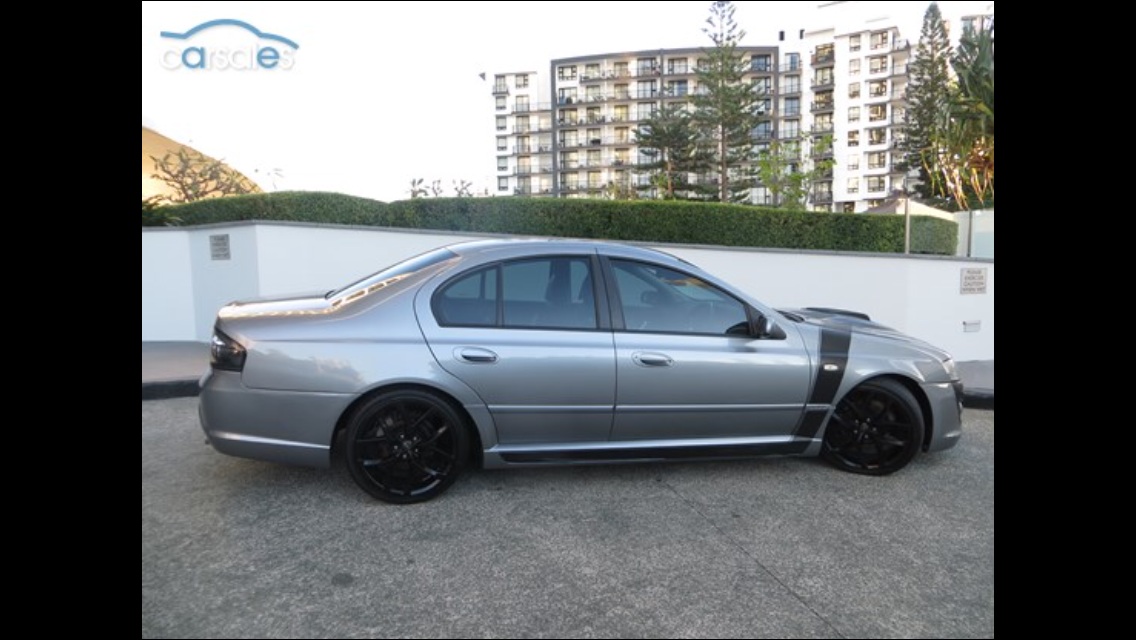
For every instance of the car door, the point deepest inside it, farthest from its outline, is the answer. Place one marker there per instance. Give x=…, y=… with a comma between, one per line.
x=686, y=366
x=527, y=336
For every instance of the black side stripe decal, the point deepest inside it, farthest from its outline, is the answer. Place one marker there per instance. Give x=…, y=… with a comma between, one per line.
x=833, y=358
x=834, y=347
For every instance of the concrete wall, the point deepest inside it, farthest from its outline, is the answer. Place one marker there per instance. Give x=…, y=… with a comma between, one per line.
x=183, y=285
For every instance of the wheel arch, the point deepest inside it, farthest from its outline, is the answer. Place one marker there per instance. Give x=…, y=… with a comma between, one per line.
x=912, y=385
x=476, y=448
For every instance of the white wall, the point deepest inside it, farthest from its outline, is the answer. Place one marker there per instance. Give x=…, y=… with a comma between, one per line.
x=183, y=287
x=167, y=287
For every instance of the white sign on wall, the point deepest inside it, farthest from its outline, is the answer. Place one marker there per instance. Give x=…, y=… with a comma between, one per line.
x=973, y=280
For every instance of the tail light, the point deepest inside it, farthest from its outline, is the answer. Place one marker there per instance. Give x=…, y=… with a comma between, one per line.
x=225, y=353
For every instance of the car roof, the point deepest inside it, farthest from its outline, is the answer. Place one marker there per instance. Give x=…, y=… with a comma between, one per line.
x=501, y=248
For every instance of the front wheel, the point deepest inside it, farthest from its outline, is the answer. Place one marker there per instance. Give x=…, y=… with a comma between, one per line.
x=875, y=430
x=406, y=446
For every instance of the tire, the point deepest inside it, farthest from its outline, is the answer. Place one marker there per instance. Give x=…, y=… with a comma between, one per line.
x=406, y=446
x=876, y=429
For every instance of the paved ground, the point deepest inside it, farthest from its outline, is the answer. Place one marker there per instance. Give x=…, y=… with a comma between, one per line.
x=761, y=548
x=171, y=370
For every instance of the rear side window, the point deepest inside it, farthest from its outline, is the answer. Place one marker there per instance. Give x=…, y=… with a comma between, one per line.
x=539, y=293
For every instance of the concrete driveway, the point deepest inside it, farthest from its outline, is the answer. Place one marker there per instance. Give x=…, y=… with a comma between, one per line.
x=760, y=548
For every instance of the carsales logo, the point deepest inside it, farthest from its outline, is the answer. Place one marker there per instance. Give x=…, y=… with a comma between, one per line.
x=212, y=46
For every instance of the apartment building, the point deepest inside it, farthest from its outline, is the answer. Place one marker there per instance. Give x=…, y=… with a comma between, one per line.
x=570, y=132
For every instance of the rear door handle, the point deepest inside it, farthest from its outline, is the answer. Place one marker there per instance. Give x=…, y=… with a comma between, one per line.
x=475, y=354
x=651, y=359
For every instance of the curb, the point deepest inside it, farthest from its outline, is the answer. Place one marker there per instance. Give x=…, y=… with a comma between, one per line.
x=170, y=389
x=978, y=399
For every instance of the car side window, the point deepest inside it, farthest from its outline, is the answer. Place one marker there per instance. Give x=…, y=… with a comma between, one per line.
x=542, y=293
x=469, y=301
x=548, y=293
x=658, y=299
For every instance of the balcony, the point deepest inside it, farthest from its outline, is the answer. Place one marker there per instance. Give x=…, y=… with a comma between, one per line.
x=822, y=106
x=763, y=89
x=529, y=108
x=898, y=95
x=763, y=134
x=791, y=113
x=823, y=176
x=822, y=197
x=901, y=45
x=824, y=59
x=823, y=83
x=898, y=70
x=790, y=67
x=522, y=191
x=500, y=90
x=791, y=89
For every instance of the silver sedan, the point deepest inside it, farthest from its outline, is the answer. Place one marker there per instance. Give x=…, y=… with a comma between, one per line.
x=529, y=352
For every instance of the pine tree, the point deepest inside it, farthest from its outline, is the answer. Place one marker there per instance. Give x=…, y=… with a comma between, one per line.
x=668, y=137
x=928, y=93
x=725, y=105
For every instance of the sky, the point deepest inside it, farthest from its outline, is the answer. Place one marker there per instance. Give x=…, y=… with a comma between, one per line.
x=380, y=93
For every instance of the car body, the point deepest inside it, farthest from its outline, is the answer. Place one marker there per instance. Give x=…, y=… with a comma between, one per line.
x=527, y=352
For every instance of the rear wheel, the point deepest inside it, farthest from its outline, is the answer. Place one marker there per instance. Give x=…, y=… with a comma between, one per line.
x=406, y=446
x=876, y=429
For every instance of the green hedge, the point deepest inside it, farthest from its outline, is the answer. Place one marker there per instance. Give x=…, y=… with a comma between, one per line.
x=643, y=220
x=299, y=206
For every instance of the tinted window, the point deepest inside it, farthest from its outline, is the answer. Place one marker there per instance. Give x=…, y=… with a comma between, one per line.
x=469, y=301
x=544, y=293
x=662, y=300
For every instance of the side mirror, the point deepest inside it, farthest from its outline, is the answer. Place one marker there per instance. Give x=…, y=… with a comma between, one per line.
x=763, y=327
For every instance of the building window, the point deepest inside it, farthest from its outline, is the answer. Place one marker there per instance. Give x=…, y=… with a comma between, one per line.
x=622, y=135
x=877, y=160
x=502, y=163
x=502, y=143
x=646, y=89
x=763, y=131
x=763, y=86
x=824, y=53
x=622, y=92
x=523, y=145
x=592, y=71
x=822, y=77
x=676, y=88
x=569, y=138
x=853, y=114
x=524, y=165
x=876, y=184
x=594, y=137
x=854, y=90
x=522, y=81
x=877, y=64
x=853, y=163
x=502, y=123
x=848, y=207
x=764, y=107
x=792, y=107
x=592, y=93
x=567, y=72
x=499, y=84
x=593, y=115
x=499, y=103
x=880, y=40
x=622, y=156
x=521, y=104
x=877, y=136
x=522, y=124
x=877, y=112
x=644, y=66
x=854, y=67
x=620, y=113
x=621, y=70
x=566, y=96
x=854, y=42
x=822, y=123
x=877, y=89
x=854, y=138
x=676, y=65
x=570, y=160
x=792, y=84
x=645, y=110
x=502, y=184
x=568, y=116
x=593, y=157
x=760, y=63
x=790, y=129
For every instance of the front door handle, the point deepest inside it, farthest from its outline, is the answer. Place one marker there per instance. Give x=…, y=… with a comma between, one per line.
x=475, y=354
x=652, y=359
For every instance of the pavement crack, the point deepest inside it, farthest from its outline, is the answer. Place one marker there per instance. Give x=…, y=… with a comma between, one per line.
x=746, y=552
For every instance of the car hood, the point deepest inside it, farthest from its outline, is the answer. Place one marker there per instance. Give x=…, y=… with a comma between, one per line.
x=858, y=323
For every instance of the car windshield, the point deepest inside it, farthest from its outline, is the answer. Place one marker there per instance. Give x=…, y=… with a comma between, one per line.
x=391, y=274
